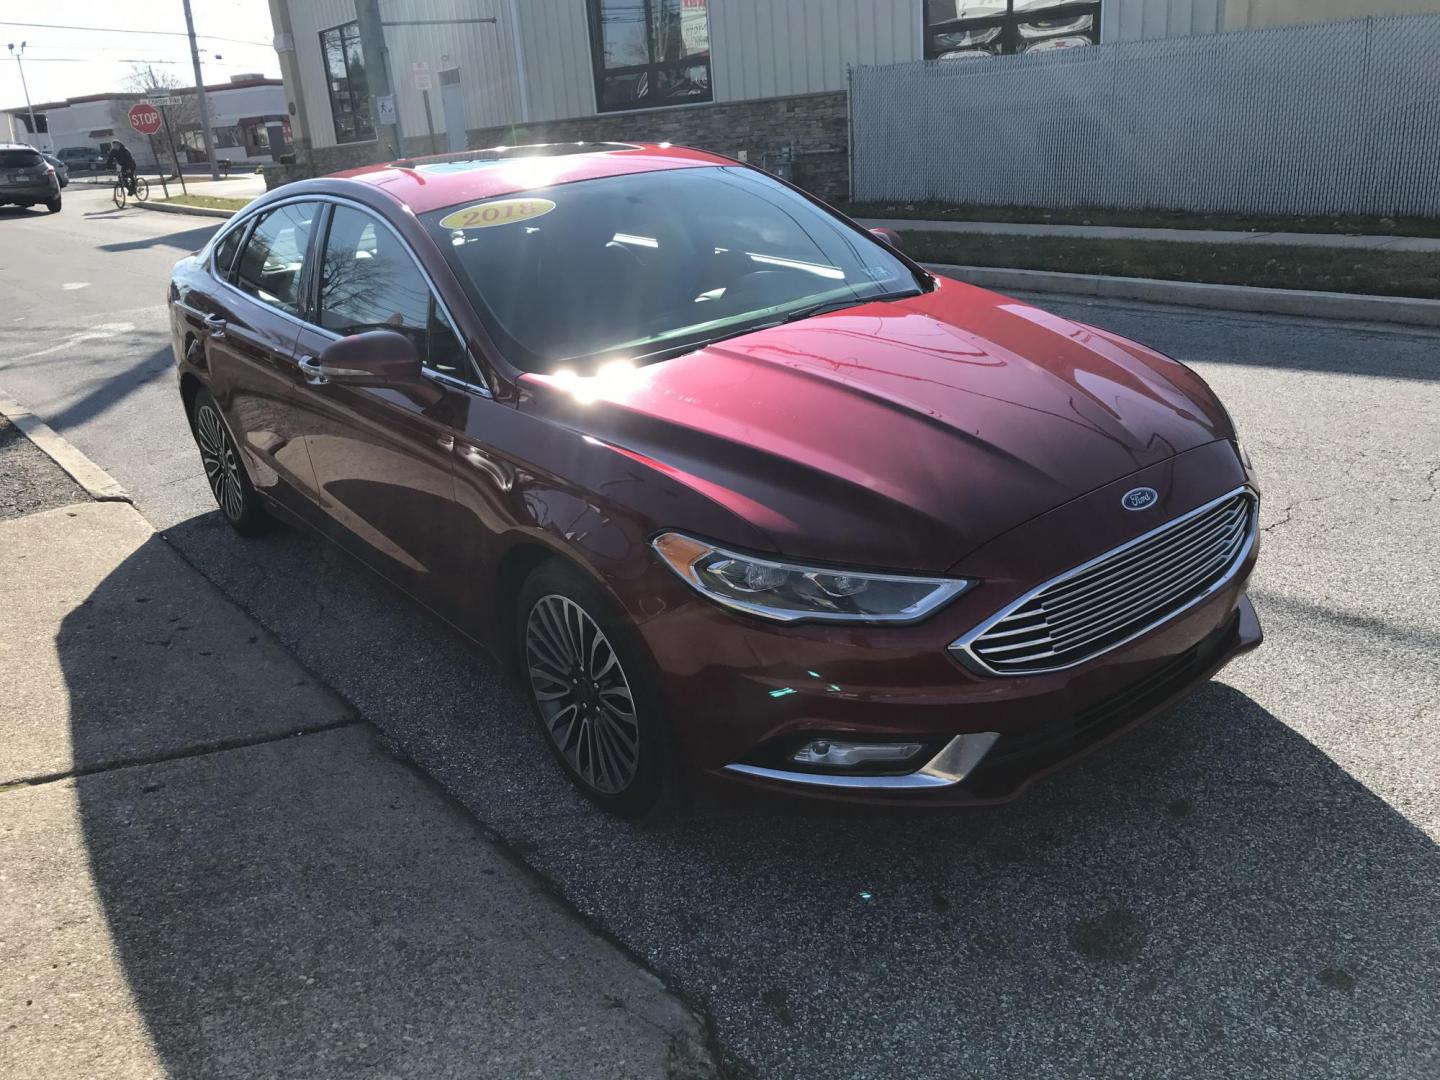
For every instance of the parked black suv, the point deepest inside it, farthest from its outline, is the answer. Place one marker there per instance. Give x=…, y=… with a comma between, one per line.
x=26, y=178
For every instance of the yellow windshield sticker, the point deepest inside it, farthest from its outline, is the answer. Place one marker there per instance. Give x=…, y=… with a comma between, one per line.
x=504, y=212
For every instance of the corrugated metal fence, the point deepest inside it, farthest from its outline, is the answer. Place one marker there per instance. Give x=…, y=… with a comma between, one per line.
x=1334, y=118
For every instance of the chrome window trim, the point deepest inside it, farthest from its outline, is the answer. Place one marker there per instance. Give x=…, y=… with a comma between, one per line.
x=340, y=200
x=955, y=761
x=961, y=649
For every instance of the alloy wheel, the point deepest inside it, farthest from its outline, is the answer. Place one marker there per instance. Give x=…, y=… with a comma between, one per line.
x=222, y=467
x=583, y=694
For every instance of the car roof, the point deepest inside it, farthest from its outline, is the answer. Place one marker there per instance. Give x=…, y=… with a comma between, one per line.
x=431, y=183
x=19, y=146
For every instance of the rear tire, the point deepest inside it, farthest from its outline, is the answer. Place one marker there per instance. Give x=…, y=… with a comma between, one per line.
x=142, y=189
x=225, y=469
x=53, y=205
x=117, y=196
x=590, y=685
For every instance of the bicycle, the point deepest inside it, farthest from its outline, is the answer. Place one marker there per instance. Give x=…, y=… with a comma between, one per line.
x=120, y=194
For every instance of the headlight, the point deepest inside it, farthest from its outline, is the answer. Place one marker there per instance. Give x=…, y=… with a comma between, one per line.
x=786, y=592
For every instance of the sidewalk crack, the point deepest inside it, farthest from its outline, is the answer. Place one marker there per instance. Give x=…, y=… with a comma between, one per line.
x=216, y=746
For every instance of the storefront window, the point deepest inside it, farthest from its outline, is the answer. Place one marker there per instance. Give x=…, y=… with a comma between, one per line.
x=349, y=87
x=962, y=29
x=650, y=52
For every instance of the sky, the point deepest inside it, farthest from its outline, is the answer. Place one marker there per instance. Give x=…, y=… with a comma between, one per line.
x=93, y=56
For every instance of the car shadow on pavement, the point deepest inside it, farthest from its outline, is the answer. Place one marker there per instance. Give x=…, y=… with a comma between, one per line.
x=1212, y=894
x=182, y=240
x=105, y=393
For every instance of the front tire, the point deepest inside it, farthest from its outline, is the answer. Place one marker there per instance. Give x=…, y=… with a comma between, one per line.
x=225, y=470
x=591, y=690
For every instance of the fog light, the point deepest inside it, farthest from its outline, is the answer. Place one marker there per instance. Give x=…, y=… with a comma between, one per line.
x=848, y=755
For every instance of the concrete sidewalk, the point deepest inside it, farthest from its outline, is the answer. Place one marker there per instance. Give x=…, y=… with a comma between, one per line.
x=209, y=866
x=1419, y=244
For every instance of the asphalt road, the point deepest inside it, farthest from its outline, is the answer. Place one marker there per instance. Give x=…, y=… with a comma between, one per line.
x=1249, y=887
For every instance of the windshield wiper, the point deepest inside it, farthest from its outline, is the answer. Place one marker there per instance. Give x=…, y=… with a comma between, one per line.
x=693, y=345
x=847, y=302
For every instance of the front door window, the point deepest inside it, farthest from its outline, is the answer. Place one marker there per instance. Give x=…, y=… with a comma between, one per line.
x=369, y=282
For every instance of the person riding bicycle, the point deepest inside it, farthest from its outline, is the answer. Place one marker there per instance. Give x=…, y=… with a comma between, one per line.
x=123, y=162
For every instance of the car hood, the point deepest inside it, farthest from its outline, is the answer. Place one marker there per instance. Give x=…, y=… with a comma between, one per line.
x=899, y=434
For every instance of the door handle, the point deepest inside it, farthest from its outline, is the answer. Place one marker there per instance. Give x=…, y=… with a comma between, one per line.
x=313, y=370
x=214, y=326
x=318, y=374
x=445, y=442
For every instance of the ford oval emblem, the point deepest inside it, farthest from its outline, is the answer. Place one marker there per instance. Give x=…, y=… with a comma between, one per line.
x=1140, y=498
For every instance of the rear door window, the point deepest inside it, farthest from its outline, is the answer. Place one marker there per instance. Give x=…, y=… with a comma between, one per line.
x=272, y=264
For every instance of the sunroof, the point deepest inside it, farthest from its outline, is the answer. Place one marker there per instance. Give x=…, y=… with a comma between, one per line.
x=463, y=160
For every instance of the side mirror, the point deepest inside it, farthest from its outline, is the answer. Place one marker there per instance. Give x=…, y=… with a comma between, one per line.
x=890, y=236
x=376, y=358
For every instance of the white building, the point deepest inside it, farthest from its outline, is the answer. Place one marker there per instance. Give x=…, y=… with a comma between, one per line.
x=766, y=77
x=247, y=116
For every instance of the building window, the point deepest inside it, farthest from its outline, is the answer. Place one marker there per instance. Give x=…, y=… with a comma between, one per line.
x=650, y=52
x=960, y=29
x=349, y=87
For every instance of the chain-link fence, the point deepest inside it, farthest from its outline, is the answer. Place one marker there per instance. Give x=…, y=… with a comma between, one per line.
x=1339, y=118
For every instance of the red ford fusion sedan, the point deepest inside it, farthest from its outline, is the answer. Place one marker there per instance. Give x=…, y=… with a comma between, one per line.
x=740, y=490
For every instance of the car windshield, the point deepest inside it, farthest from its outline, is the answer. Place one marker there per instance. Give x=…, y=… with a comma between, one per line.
x=650, y=262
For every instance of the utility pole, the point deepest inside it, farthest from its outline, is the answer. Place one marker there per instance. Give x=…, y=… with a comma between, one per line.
x=34, y=134
x=378, y=75
x=205, y=131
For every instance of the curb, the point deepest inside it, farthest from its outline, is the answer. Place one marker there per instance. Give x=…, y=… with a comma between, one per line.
x=1345, y=307
x=1345, y=241
x=98, y=484
x=193, y=211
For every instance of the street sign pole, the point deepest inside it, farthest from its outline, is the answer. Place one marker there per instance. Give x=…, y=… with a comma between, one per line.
x=146, y=119
x=175, y=154
x=164, y=187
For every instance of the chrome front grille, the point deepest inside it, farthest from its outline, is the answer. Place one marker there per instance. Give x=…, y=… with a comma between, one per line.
x=1118, y=596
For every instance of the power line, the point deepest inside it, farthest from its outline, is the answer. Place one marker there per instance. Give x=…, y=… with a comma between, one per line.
x=127, y=30
x=107, y=60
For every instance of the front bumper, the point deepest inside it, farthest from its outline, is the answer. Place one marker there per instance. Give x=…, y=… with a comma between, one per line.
x=987, y=768
x=742, y=693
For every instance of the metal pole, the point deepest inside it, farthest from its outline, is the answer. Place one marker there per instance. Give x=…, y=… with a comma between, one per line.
x=164, y=187
x=377, y=71
x=200, y=94
x=34, y=134
x=429, y=123
x=170, y=138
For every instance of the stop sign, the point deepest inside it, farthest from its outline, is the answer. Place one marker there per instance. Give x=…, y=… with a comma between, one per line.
x=145, y=118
